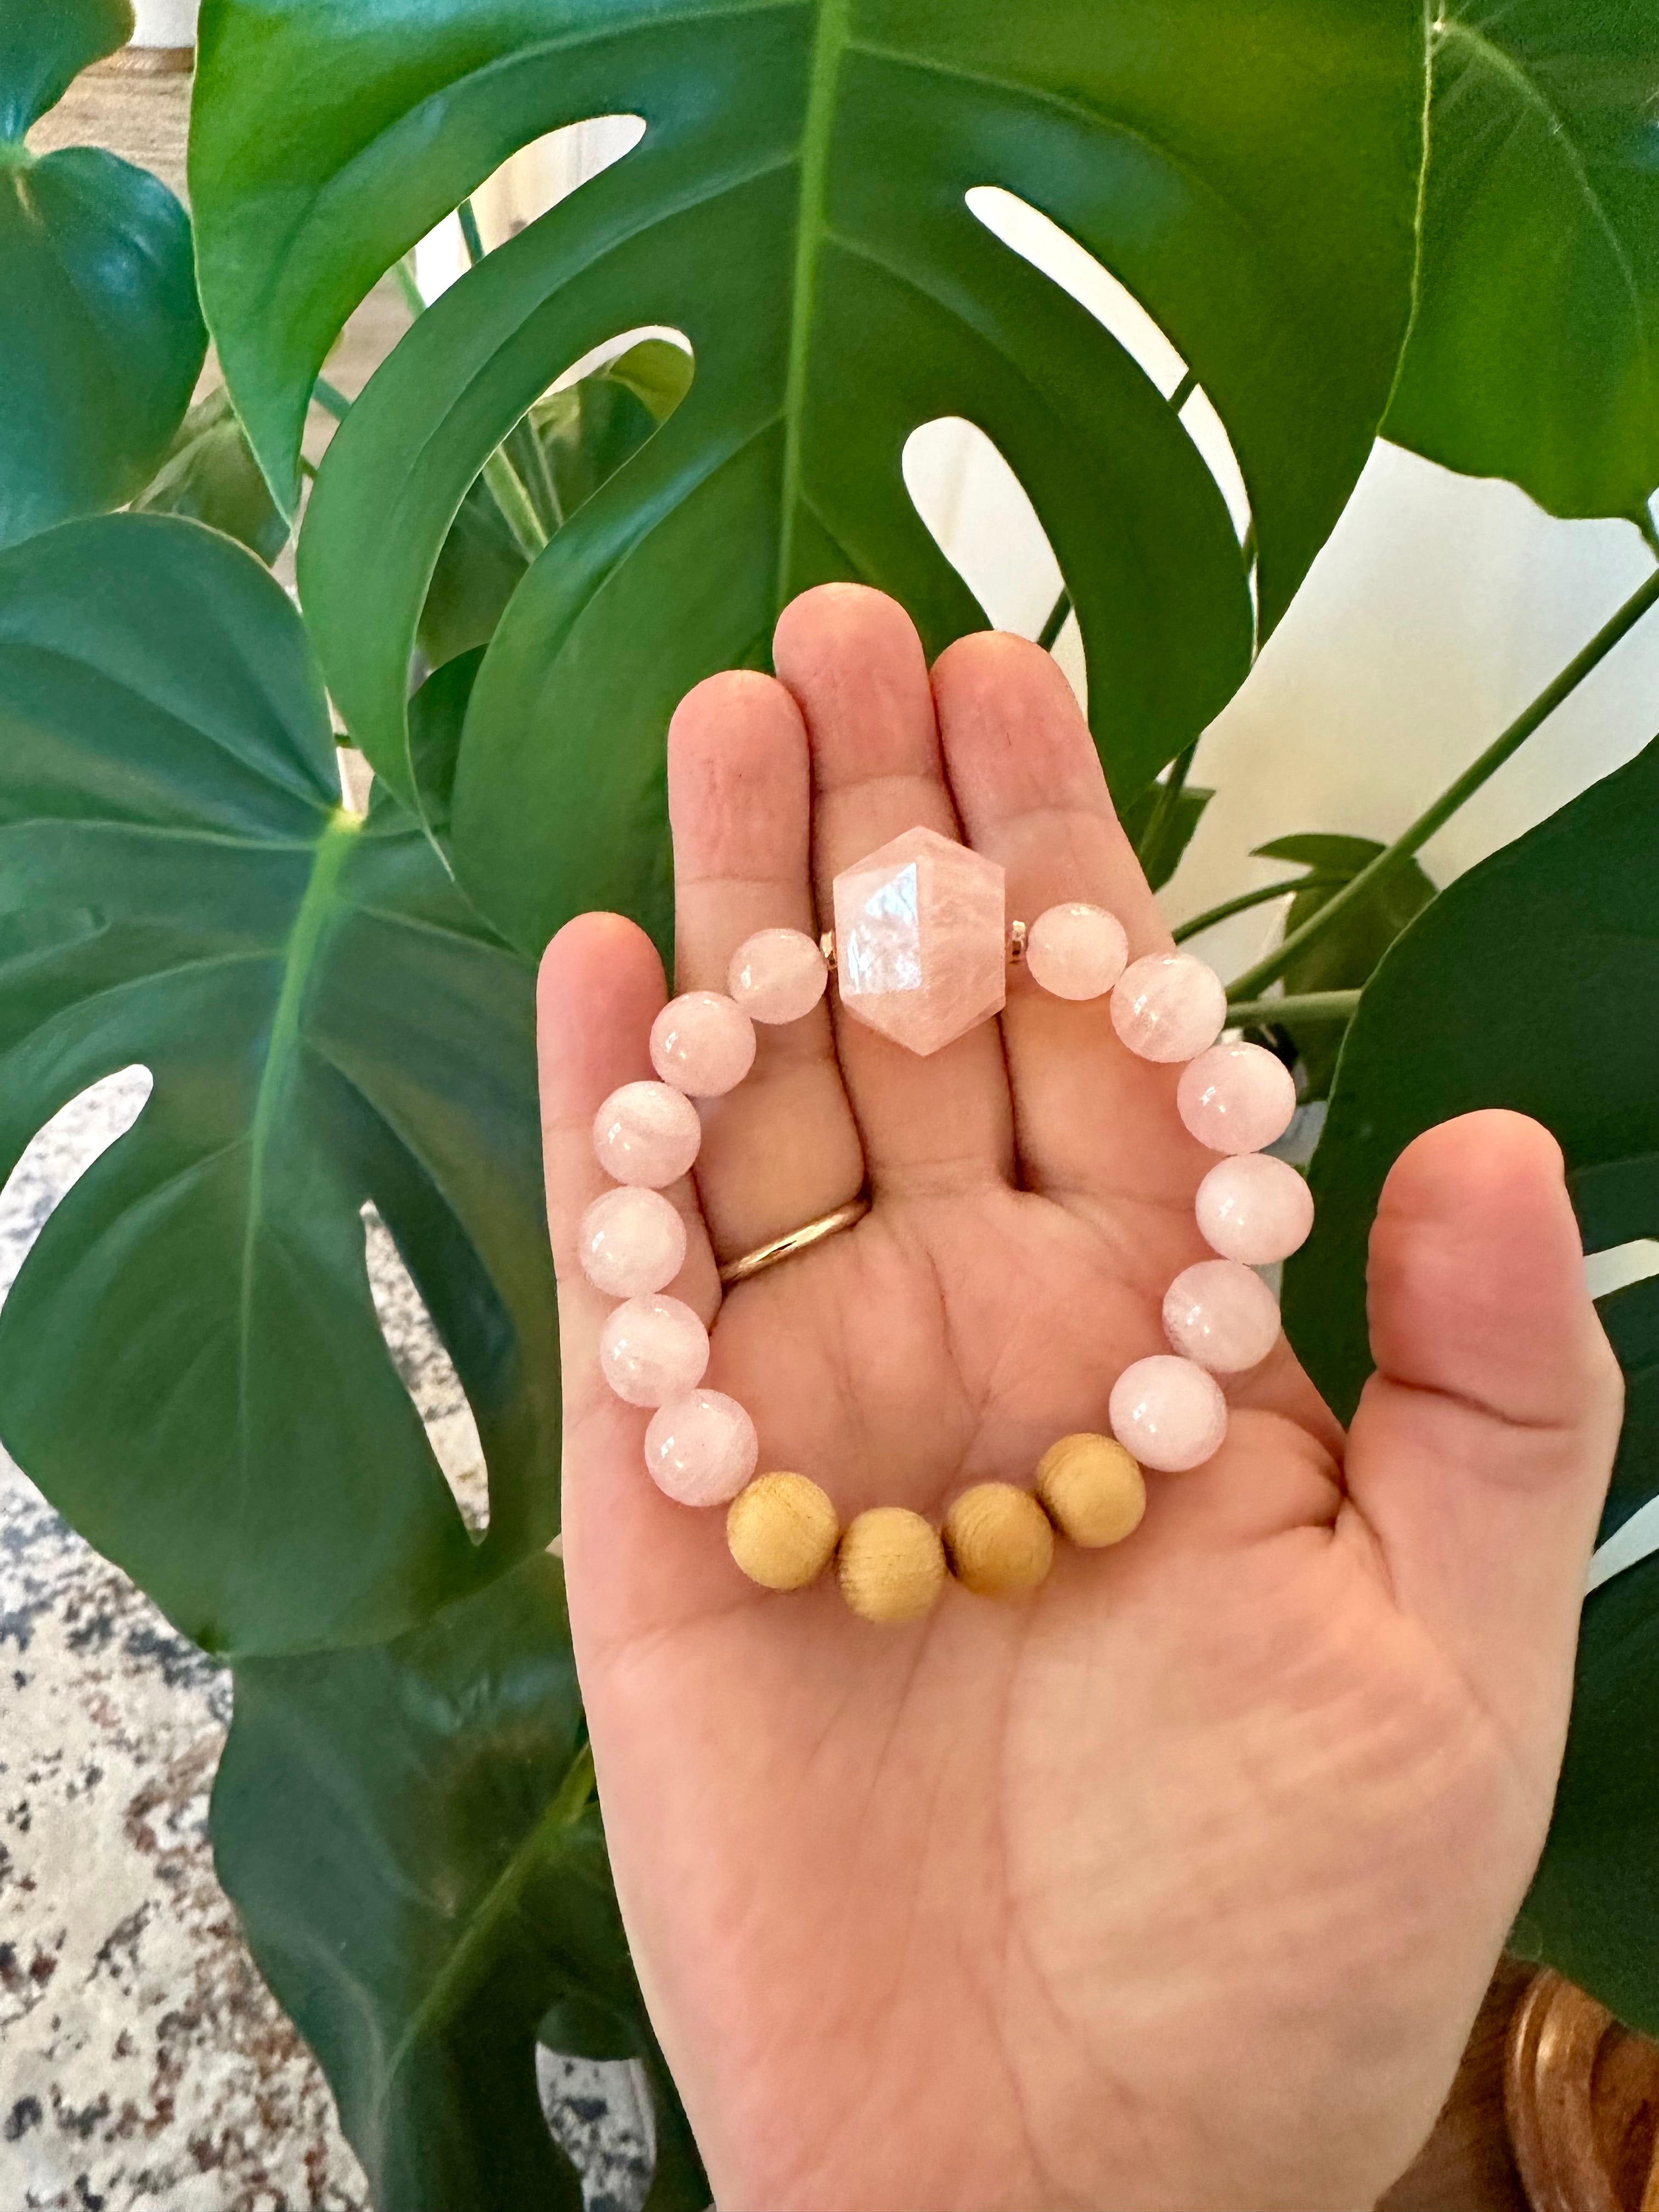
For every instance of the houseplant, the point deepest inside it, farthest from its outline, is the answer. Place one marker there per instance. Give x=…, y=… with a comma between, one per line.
x=336, y=1008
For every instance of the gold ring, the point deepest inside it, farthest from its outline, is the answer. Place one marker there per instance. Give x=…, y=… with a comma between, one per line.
x=797, y=1239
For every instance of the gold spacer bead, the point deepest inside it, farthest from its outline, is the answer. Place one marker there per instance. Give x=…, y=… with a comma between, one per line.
x=1092, y=1489
x=1017, y=937
x=891, y=1564
x=781, y=1529
x=998, y=1540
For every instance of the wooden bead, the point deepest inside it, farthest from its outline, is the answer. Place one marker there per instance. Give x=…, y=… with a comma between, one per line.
x=1092, y=1489
x=891, y=1565
x=998, y=1540
x=782, y=1531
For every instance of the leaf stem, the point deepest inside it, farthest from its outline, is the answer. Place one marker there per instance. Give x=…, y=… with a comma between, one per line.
x=1274, y=964
x=1311, y=1006
x=1260, y=896
x=414, y=298
x=1056, y=622
x=1649, y=528
x=331, y=396
x=518, y=511
x=469, y=236
x=1164, y=807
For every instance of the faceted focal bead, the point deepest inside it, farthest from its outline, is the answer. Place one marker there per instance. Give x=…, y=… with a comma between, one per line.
x=920, y=940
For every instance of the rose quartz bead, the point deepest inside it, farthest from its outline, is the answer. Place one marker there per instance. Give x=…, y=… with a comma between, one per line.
x=777, y=974
x=1221, y=1315
x=1168, y=1006
x=653, y=1349
x=702, y=1042
x=1168, y=1413
x=1235, y=1097
x=1254, y=1208
x=630, y=1242
x=700, y=1449
x=1077, y=952
x=647, y=1133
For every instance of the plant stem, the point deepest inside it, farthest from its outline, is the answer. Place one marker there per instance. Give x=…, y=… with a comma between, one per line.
x=1212, y=914
x=331, y=396
x=514, y=501
x=1648, y=527
x=1184, y=391
x=1056, y=622
x=1163, y=810
x=414, y=298
x=1272, y=965
x=1312, y=1005
x=470, y=237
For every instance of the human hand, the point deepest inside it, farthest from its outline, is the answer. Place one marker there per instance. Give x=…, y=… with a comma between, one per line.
x=1177, y=1882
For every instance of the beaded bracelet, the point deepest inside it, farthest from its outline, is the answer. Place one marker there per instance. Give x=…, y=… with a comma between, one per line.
x=922, y=950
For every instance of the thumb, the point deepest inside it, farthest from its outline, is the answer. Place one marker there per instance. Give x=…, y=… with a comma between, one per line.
x=1480, y=1456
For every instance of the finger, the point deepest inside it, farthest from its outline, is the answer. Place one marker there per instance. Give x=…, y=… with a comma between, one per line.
x=628, y=1552
x=854, y=661
x=1090, y=1117
x=783, y=1147
x=1480, y=1456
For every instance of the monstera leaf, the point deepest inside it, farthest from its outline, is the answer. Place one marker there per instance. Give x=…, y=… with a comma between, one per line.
x=797, y=209
x=189, y=1363
x=1534, y=351
x=411, y=1837
x=100, y=330
x=211, y=475
x=1516, y=988
x=565, y=448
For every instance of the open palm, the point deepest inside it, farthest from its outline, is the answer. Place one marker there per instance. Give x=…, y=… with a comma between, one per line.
x=1177, y=1882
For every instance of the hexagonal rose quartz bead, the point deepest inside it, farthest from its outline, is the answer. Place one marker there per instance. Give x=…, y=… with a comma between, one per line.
x=647, y=1133
x=1075, y=950
x=630, y=1242
x=701, y=1449
x=778, y=974
x=1168, y=1006
x=1221, y=1315
x=702, y=1042
x=1254, y=1208
x=1168, y=1413
x=1235, y=1097
x=651, y=1350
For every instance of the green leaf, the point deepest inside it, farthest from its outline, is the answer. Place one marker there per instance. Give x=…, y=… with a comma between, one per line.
x=1590, y=1912
x=1179, y=824
x=582, y=435
x=409, y=1836
x=796, y=208
x=327, y=1023
x=1516, y=987
x=210, y=476
x=1346, y=957
x=1534, y=353
x=100, y=330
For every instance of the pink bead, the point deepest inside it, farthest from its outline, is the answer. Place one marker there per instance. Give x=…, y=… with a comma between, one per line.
x=1254, y=1208
x=1168, y=1006
x=630, y=1242
x=647, y=1133
x=1221, y=1315
x=653, y=1349
x=777, y=974
x=701, y=1448
x=1077, y=952
x=702, y=1042
x=922, y=944
x=1235, y=1097
x=1168, y=1413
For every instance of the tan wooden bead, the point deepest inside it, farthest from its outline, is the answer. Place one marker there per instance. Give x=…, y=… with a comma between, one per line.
x=998, y=1540
x=891, y=1565
x=1092, y=1489
x=781, y=1529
